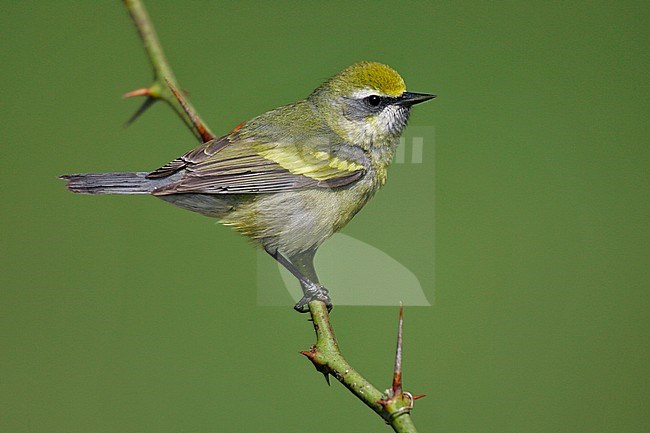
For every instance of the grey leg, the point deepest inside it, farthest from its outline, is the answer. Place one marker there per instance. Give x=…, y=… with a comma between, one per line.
x=302, y=267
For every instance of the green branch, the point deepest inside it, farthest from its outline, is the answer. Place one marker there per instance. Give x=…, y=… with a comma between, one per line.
x=393, y=405
x=165, y=83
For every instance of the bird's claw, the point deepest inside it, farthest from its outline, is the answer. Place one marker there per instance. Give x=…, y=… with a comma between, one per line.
x=313, y=292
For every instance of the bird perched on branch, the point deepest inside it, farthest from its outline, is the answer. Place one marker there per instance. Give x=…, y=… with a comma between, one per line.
x=291, y=177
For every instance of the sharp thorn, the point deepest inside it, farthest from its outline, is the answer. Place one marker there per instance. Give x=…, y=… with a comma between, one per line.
x=308, y=353
x=137, y=92
x=397, y=375
x=327, y=379
x=416, y=397
x=145, y=105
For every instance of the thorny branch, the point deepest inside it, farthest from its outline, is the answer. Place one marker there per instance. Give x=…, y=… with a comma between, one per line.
x=164, y=84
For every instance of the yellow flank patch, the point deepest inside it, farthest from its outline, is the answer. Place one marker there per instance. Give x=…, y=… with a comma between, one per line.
x=375, y=75
x=317, y=165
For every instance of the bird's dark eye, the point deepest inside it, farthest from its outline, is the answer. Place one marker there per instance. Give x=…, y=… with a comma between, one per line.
x=373, y=100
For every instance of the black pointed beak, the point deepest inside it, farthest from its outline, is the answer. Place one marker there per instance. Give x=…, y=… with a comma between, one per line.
x=408, y=98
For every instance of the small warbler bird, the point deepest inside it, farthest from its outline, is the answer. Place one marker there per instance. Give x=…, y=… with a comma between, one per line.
x=291, y=177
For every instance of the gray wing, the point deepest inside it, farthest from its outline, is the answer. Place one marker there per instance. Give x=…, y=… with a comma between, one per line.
x=231, y=166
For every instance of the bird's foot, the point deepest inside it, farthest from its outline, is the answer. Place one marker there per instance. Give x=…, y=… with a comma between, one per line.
x=313, y=292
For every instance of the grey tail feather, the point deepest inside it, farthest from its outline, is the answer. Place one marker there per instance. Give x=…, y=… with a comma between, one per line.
x=112, y=183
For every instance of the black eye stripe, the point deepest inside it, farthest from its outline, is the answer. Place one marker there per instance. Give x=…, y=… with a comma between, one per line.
x=376, y=101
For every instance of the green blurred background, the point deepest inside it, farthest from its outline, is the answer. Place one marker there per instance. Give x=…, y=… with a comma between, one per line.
x=124, y=314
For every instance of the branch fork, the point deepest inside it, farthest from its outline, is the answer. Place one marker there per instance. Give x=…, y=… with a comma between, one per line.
x=164, y=84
